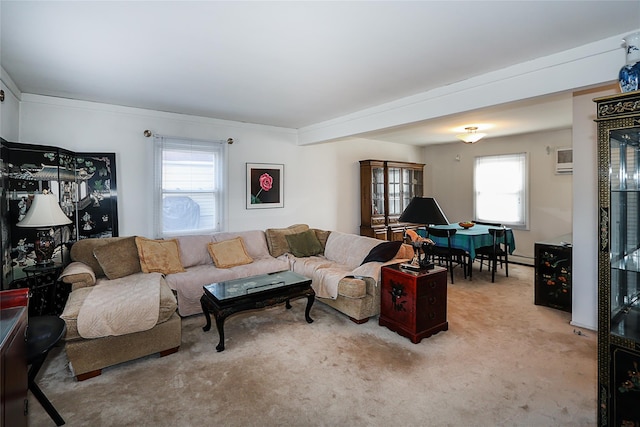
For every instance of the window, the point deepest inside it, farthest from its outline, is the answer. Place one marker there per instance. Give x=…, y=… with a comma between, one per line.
x=189, y=179
x=500, y=189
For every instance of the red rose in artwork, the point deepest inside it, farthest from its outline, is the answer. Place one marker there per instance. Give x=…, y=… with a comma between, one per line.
x=266, y=181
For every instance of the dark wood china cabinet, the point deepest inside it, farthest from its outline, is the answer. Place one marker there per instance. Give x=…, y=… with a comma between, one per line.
x=386, y=188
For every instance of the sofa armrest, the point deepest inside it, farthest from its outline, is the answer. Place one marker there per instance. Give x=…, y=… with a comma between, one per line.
x=369, y=269
x=79, y=275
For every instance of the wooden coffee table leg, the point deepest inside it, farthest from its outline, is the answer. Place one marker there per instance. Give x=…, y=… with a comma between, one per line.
x=205, y=310
x=310, y=300
x=220, y=326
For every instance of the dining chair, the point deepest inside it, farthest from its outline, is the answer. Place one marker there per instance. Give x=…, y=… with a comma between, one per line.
x=490, y=224
x=498, y=251
x=452, y=256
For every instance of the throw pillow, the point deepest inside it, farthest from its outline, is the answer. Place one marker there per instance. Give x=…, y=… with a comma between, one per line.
x=119, y=258
x=229, y=253
x=159, y=256
x=304, y=244
x=277, y=242
x=322, y=235
x=383, y=252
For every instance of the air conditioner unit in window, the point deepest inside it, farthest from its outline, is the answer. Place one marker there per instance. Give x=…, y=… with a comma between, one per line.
x=564, y=160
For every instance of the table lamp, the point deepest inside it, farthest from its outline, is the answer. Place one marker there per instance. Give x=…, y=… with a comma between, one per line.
x=426, y=211
x=44, y=214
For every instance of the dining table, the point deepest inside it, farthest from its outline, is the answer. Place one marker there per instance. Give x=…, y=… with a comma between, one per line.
x=470, y=239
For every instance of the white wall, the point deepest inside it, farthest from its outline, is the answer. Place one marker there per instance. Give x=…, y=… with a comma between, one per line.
x=450, y=181
x=321, y=185
x=9, y=108
x=585, y=215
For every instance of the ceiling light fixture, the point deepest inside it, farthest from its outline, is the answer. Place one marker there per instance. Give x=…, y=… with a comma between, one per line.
x=471, y=136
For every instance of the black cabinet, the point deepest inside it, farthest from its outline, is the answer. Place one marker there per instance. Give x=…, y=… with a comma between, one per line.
x=618, y=119
x=553, y=273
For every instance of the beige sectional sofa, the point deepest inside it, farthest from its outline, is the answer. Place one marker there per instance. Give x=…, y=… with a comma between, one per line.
x=88, y=356
x=334, y=261
x=341, y=279
x=338, y=278
x=200, y=269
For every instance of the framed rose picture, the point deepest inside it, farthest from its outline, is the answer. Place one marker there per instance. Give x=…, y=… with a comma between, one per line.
x=265, y=186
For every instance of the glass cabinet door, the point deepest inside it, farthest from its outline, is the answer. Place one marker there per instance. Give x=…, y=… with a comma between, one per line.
x=624, y=176
x=411, y=185
x=377, y=192
x=395, y=185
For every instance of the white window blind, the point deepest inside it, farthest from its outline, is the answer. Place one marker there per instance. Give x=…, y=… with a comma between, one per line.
x=500, y=189
x=190, y=188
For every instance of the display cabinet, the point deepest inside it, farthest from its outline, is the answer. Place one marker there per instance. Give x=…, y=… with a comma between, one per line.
x=553, y=282
x=618, y=119
x=386, y=188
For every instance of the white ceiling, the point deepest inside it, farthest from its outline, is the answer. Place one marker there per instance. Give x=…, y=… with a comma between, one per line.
x=295, y=64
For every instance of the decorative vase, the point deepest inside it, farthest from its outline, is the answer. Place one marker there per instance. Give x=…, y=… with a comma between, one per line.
x=629, y=75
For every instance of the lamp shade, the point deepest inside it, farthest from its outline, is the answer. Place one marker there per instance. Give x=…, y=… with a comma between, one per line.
x=44, y=212
x=424, y=210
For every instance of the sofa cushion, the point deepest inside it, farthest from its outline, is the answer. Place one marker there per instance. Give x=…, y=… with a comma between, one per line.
x=82, y=251
x=254, y=241
x=322, y=236
x=193, y=250
x=304, y=244
x=229, y=253
x=159, y=256
x=383, y=252
x=76, y=298
x=348, y=249
x=118, y=258
x=277, y=242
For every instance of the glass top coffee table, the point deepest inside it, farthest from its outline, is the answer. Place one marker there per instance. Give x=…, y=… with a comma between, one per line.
x=223, y=299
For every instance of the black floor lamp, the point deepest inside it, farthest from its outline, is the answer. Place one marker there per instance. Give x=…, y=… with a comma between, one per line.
x=424, y=211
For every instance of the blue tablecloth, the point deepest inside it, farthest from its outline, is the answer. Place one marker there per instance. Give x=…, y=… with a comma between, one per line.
x=470, y=239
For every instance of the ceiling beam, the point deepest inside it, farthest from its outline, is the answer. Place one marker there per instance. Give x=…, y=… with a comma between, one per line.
x=589, y=65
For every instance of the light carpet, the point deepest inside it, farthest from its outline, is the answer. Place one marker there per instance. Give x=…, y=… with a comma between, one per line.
x=503, y=362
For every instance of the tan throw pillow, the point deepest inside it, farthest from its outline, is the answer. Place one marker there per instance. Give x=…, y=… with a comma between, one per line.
x=277, y=242
x=119, y=258
x=304, y=244
x=229, y=253
x=159, y=256
x=322, y=236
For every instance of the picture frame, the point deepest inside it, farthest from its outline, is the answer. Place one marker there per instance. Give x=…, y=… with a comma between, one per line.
x=265, y=186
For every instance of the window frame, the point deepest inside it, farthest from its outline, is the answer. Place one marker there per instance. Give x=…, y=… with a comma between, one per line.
x=219, y=193
x=523, y=193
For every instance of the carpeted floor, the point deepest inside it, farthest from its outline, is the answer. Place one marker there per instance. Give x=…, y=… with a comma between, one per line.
x=503, y=362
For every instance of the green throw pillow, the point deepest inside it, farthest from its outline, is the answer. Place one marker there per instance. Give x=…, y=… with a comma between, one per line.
x=304, y=244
